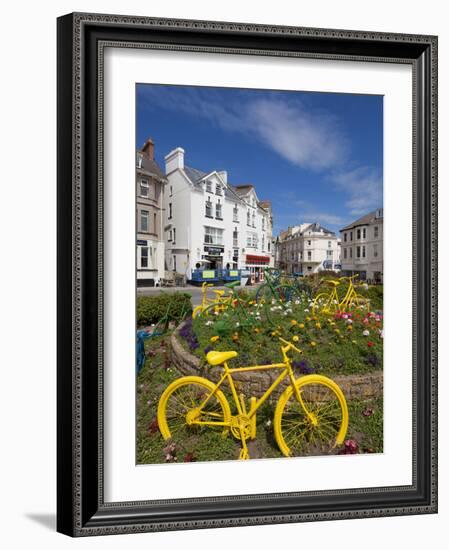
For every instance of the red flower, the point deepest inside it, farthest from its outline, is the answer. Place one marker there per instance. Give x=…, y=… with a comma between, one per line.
x=370, y=344
x=189, y=457
x=351, y=447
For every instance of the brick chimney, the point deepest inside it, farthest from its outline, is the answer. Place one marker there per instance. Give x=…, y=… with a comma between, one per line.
x=148, y=148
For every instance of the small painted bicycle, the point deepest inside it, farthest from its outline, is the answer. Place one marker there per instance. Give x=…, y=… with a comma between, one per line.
x=206, y=301
x=311, y=415
x=330, y=302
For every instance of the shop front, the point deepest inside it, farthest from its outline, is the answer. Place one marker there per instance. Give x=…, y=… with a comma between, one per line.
x=256, y=264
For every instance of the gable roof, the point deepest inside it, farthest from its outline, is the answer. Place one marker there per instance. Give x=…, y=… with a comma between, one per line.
x=318, y=228
x=148, y=165
x=365, y=220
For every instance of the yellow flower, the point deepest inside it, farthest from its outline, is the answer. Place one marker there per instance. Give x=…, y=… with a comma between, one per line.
x=354, y=341
x=295, y=339
x=308, y=318
x=313, y=344
x=257, y=330
x=235, y=337
x=349, y=327
x=214, y=339
x=301, y=325
x=293, y=322
x=274, y=333
x=337, y=330
x=318, y=325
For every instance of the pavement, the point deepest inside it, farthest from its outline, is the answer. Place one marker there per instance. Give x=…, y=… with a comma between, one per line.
x=195, y=291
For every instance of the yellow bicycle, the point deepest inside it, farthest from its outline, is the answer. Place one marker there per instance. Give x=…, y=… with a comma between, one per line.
x=206, y=301
x=311, y=415
x=329, y=302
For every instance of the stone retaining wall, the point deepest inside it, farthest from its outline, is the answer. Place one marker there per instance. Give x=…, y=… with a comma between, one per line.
x=354, y=386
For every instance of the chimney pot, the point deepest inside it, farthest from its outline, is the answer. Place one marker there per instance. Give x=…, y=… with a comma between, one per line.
x=148, y=148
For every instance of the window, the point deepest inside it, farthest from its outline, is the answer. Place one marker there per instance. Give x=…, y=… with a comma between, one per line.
x=363, y=252
x=170, y=236
x=254, y=219
x=350, y=235
x=269, y=247
x=218, y=211
x=170, y=210
x=174, y=262
x=235, y=214
x=309, y=254
x=251, y=240
x=358, y=252
x=329, y=244
x=209, y=186
x=139, y=160
x=345, y=237
x=358, y=234
x=144, y=220
x=376, y=231
x=213, y=235
x=375, y=250
x=208, y=208
x=171, y=190
x=263, y=243
x=345, y=253
x=309, y=243
x=144, y=188
x=144, y=256
x=350, y=252
x=330, y=254
x=263, y=224
x=154, y=222
x=174, y=235
x=235, y=237
x=364, y=233
x=218, y=189
x=248, y=218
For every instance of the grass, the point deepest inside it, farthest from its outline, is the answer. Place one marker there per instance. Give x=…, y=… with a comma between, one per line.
x=365, y=421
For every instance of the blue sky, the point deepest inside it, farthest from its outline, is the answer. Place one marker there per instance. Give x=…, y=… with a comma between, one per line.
x=316, y=156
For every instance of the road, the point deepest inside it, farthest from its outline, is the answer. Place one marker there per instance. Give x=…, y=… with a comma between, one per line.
x=195, y=291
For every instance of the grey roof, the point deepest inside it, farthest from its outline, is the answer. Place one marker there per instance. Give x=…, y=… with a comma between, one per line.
x=196, y=175
x=193, y=174
x=365, y=220
x=242, y=190
x=317, y=228
x=151, y=166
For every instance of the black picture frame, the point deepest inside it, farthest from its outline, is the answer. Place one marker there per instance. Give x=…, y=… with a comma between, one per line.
x=81, y=510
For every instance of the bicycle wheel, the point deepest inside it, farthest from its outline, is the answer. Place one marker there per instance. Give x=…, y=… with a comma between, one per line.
x=264, y=294
x=189, y=401
x=286, y=293
x=317, y=425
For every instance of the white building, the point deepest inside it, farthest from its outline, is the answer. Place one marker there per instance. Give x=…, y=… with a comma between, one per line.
x=212, y=224
x=362, y=247
x=308, y=248
x=150, y=184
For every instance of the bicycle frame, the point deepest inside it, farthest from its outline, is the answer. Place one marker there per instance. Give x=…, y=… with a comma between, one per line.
x=240, y=405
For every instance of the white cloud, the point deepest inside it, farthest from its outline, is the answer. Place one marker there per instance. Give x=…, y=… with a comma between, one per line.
x=363, y=185
x=308, y=139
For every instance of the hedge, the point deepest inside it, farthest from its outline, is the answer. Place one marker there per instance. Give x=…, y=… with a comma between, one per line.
x=150, y=309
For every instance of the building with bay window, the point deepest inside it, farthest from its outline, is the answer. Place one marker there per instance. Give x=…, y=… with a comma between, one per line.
x=362, y=247
x=150, y=186
x=210, y=224
x=308, y=248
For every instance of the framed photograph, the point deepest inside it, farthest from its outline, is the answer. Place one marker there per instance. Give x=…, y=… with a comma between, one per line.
x=247, y=276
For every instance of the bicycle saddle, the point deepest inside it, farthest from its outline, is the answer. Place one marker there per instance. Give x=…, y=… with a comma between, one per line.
x=334, y=283
x=219, y=292
x=215, y=358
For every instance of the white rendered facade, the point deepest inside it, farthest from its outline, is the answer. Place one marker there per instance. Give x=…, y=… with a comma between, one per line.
x=362, y=247
x=308, y=248
x=205, y=224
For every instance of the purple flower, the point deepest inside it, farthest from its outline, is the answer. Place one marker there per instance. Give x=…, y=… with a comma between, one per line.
x=207, y=349
x=303, y=367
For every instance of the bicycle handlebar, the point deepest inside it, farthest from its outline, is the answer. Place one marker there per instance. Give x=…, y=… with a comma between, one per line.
x=290, y=345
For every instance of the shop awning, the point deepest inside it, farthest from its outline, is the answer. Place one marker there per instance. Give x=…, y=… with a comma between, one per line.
x=252, y=258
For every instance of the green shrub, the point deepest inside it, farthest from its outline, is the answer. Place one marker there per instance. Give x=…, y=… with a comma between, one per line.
x=150, y=309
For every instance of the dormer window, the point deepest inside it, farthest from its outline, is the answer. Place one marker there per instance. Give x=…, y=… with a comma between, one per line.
x=235, y=213
x=248, y=217
x=209, y=186
x=218, y=189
